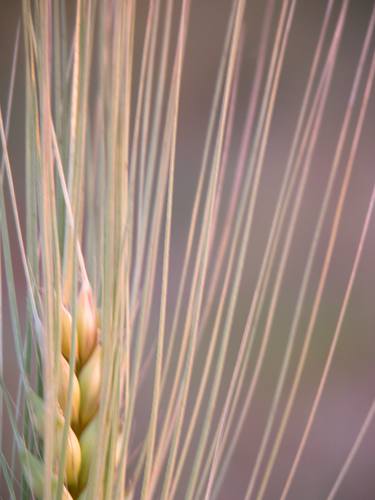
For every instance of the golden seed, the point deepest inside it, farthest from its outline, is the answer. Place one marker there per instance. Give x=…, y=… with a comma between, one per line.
x=66, y=333
x=72, y=458
x=89, y=381
x=87, y=442
x=86, y=324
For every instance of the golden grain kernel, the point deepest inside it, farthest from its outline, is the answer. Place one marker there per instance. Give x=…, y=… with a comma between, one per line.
x=86, y=324
x=89, y=381
x=87, y=442
x=66, y=333
x=72, y=458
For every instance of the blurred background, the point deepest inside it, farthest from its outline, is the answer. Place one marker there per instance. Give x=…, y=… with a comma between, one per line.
x=350, y=388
